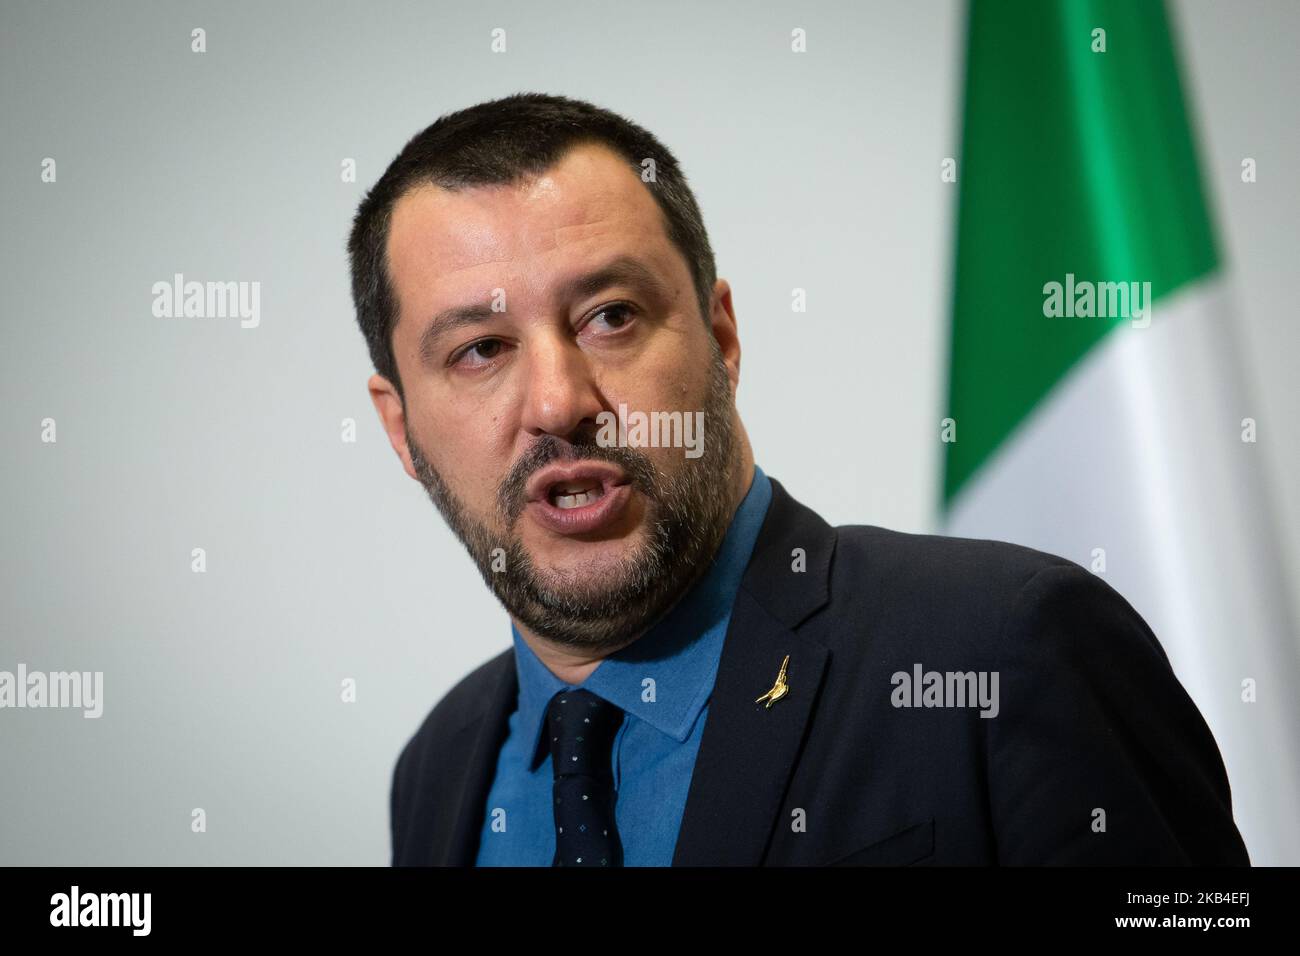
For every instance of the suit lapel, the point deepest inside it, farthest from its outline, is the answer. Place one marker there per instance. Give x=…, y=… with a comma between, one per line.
x=457, y=844
x=748, y=750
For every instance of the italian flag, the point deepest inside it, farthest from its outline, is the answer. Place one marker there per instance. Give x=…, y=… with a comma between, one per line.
x=1117, y=433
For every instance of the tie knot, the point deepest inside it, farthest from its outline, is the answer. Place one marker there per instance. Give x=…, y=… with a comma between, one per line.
x=580, y=729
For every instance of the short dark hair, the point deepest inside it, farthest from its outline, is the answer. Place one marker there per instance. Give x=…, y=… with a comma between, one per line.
x=499, y=143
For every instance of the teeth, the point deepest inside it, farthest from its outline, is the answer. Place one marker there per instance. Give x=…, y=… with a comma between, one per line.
x=574, y=489
x=565, y=501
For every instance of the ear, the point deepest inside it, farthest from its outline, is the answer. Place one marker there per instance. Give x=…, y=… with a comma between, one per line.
x=722, y=320
x=393, y=417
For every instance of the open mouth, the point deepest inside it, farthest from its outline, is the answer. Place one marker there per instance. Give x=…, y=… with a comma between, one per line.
x=575, y=494
x=579, y=497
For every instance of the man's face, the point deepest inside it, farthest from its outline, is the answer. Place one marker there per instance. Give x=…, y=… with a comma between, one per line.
x=524, y=312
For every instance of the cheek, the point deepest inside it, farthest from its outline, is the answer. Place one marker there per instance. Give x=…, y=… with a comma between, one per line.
x=671, y=375
x=482, y=455
x=472, y=451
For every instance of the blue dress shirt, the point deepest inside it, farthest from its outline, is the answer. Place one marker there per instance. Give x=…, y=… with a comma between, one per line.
x=662, y=681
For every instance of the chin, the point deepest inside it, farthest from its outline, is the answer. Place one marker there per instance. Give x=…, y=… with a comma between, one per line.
x=588, y=571
x=575, y=555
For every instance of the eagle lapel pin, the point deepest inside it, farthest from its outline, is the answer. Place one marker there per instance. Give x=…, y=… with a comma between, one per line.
x=779, y=689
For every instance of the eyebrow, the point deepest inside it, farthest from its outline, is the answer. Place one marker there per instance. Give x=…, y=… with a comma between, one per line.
x=622, y=270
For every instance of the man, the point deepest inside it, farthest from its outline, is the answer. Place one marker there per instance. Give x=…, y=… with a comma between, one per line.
x=702, y=671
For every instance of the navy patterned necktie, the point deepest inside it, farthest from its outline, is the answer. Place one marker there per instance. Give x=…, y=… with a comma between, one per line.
x=581, y=728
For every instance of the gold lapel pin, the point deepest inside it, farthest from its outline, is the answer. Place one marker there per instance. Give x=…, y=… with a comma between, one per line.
x=779, y=689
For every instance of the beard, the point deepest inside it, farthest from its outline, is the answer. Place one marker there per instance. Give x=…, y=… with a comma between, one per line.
x=687, y=517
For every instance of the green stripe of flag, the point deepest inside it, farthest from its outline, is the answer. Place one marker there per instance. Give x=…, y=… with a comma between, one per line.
x=1072, y=162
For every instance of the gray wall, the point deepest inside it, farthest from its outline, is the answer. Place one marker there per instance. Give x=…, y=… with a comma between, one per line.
x=324, y=561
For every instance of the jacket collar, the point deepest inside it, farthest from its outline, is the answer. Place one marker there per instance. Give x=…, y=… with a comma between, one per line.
x=748, y=750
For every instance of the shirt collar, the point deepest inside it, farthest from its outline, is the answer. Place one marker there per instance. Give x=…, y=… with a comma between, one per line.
x=674, y=664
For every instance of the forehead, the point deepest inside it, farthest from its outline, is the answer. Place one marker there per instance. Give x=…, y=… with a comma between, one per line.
x=590, y=204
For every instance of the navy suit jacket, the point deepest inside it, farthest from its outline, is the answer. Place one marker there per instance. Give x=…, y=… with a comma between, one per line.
x=1096, y=754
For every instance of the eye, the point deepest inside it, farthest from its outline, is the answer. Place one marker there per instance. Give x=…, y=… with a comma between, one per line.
x=480, y=353
x=616, y=315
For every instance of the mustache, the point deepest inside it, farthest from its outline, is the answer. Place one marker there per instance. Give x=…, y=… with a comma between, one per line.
x=511, y=495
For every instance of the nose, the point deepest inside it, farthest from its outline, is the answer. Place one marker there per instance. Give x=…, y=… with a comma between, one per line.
x=561, y=395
